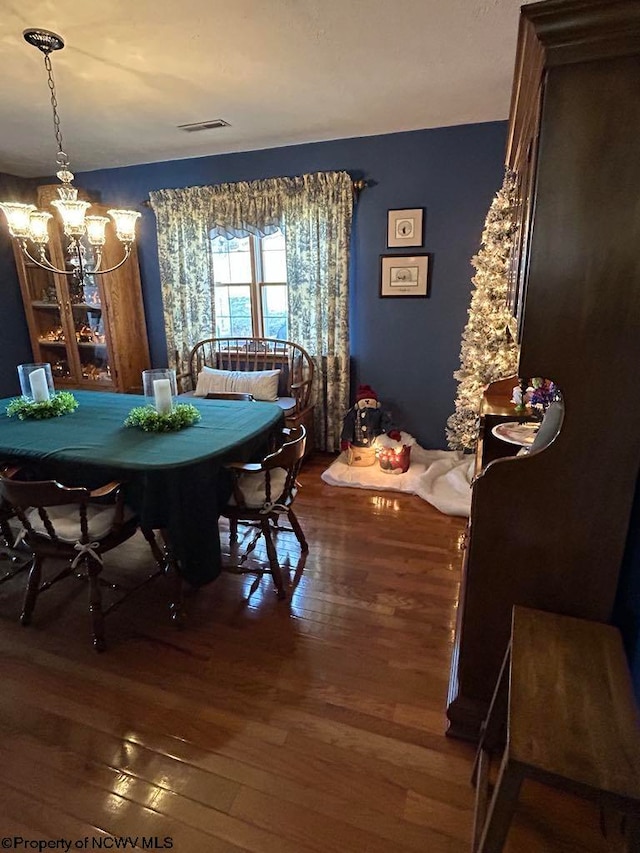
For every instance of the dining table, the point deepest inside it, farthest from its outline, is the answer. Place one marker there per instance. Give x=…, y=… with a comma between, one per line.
x=175, y=481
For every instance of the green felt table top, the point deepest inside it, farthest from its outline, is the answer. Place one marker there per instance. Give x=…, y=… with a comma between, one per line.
x=94, y=433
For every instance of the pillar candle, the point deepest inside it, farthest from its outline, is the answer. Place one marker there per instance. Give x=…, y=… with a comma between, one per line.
x=39, y=387
x=162, y=396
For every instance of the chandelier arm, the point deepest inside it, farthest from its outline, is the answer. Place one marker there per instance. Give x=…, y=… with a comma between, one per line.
x=44, y=263
x=127, y=254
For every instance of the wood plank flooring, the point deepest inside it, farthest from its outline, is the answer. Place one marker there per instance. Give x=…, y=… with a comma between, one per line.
x=265, y=726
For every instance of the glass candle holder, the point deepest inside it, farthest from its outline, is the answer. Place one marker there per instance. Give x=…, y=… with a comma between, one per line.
x=160, y=388
x=36, y=382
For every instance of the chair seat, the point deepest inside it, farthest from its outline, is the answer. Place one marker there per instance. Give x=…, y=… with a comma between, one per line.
x=253, y=488
x=66, y=521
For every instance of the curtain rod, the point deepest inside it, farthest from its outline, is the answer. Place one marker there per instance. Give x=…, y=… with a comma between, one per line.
x=359, y=185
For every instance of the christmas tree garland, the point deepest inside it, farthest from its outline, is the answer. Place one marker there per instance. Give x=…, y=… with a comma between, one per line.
x=488, y=351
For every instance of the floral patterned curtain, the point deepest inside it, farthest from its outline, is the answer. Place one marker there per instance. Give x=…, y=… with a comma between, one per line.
x=184, y=254
x=317, y=222
x=315, y=213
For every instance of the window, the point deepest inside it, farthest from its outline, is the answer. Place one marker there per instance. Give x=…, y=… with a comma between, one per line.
x=250, y=282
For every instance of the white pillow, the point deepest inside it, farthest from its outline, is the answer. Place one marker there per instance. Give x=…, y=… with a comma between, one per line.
x=263, y=384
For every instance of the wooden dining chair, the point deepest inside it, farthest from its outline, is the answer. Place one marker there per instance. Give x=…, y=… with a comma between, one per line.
x=262, y=492
x=12, y=562
x=79, y=526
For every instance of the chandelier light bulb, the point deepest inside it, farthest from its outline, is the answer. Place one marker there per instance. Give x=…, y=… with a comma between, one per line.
x=72, y=214
x=125, y=222
x=39, y=226
x=18, y=216
x=95, y=229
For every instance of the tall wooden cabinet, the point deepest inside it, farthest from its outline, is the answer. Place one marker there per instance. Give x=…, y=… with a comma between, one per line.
x=93, y=335
x=548, y=530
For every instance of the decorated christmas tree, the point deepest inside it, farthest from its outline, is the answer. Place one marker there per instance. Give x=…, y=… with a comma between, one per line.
x=488, y=350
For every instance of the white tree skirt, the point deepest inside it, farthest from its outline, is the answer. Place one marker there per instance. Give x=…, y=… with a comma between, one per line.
x=441, y=477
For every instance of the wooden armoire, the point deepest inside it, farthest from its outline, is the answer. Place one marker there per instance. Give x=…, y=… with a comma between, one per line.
x=548, y=530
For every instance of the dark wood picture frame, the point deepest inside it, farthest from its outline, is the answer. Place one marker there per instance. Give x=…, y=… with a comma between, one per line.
x=405, y=276
x=405, y=228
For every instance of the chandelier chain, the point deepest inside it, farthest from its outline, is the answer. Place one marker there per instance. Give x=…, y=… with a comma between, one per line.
x=61, y=159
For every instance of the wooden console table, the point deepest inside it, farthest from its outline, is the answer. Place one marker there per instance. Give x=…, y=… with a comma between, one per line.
x=565, y=696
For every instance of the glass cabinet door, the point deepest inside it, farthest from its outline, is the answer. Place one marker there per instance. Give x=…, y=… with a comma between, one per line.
x=49, y=331
x=87, y=314
x=68, y=328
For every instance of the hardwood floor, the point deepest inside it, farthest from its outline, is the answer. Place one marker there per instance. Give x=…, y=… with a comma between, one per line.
x=262, y=726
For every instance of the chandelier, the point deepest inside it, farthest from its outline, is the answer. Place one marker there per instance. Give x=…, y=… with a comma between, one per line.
x=30, y=225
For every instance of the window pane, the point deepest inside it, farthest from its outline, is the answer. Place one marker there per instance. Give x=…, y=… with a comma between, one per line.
x=274, y=267
x=231, y=260
x=221, y=271
x=233, y=310
x=240, y=266
x=275, y=311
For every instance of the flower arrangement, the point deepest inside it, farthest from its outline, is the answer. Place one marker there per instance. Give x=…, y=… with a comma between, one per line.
x=538, y=395
x=148, y=419
x=58, y=404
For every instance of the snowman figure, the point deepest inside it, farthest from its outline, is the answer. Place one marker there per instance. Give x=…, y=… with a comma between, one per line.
x=362, y=424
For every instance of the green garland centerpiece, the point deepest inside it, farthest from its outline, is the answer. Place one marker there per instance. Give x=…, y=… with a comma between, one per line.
x=148, y=419
x=60, y=403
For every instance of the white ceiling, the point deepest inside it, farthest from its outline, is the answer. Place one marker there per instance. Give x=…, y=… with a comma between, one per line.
x=280, y=71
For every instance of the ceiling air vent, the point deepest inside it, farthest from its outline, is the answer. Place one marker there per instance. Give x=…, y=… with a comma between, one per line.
x=204, y=125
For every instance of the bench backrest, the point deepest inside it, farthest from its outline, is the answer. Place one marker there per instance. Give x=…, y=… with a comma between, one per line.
x=250, y=354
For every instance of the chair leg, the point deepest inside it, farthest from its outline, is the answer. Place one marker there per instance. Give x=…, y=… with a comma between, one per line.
x=276, y=573
x=33, y=587
x=295, y=526
x=233, y=530
x=95, y=605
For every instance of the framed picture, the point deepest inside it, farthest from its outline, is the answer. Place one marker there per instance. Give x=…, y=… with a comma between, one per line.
x=405, y=228
x=404, y=275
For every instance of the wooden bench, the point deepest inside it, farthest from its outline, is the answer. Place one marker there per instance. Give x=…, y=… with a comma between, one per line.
x=565, y=696
x=295, y=380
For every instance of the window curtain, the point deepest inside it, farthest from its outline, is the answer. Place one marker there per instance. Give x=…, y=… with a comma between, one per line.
x=184, y=255
x=315, y=213
x=317, y=222
x=186, y=219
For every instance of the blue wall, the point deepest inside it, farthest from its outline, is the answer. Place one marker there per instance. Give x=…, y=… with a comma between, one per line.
x=407, y=349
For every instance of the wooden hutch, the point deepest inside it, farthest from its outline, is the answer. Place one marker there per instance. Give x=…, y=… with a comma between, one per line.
x=94, y=335
x=548, y=530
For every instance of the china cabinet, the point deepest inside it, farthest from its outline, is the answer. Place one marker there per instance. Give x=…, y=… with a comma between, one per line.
x=548, y=530
x=93, y=334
